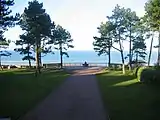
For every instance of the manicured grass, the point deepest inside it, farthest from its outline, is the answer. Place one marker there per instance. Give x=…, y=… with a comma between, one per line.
x=127, y=99
x=20, y=90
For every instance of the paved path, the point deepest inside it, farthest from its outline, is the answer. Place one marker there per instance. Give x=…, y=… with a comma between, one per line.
x=77, y=99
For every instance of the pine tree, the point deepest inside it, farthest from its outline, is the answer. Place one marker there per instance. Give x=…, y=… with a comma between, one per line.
x=37, y=22
x=26, y=47
x=118, y=20
x=103, y=44
x=6, y=20
x=61, y=38
x=130, y=25
x=152, y=14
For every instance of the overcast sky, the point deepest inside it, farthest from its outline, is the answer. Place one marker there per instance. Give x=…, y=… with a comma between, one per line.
x=80, y=17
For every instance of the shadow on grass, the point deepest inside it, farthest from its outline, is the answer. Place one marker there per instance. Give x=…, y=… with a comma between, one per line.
x=113, y=79
x=21, y=90
x=127, y=99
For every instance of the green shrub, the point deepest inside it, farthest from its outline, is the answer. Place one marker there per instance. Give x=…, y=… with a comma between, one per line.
x=148, y=75
x=126, y=67
x=135, y=71
x=115, y=67
x=128, y=72
x=139, y=73
x=156, y=76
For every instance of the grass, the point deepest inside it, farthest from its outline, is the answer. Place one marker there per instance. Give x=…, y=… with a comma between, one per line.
x=20, y=90
x=127, y=99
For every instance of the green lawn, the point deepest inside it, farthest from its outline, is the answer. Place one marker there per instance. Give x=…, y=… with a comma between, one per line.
x=127, y=99
x=20, y=90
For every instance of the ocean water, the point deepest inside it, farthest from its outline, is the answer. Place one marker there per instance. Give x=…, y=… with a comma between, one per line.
x=74, y=57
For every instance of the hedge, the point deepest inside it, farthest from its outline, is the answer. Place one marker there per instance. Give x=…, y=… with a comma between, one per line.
x=135, y=71
x=148, y=75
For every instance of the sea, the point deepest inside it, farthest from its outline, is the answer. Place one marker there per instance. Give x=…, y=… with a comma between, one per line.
x=74, y=57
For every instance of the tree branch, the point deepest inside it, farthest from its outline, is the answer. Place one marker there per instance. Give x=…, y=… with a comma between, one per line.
x=116, y=48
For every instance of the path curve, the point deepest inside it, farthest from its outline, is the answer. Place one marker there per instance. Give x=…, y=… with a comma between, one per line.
x=78, y=98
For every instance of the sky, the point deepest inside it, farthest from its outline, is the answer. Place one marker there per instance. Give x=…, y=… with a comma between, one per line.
x=80, y=17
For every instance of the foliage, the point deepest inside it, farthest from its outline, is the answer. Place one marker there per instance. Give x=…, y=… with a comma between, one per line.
x=152, y=9
x=6, y=20
x=124, y=21
x=149, y=75
x=103, y=44
x=135, y=71
x=112, y=32
x=122, y=25
x=130, y=26
x=146, y=75
x=26, y=42
x=115, y=67
x=61, y=38
x=139, y=78
x=152, y=15
x=139, y=45
x=36, y=22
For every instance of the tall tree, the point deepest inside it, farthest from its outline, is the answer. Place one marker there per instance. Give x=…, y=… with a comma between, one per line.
x=26, y=42
x=37, y=22
x=149, y=32
x=6, y=20
x=152, y=9
x=3, y=45
x=118, y=20
x=150, y=51
x=62, y=40
x=103, y=44
x=140, y=34
x=131, y=20
x=139, y=48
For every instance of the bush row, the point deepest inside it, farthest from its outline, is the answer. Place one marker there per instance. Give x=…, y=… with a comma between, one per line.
x=147, y=74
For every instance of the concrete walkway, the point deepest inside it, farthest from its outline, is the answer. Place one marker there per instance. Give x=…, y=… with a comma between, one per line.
x=78, y=98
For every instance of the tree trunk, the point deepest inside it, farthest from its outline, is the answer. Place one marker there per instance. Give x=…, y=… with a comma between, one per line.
x=122, y=56
x=109, y=57
x=29, y=60
x=39, y=54
x=130, y=51
x=40, y=59
x=136, y=58
x=158, y=61
x=1, y=63
x=37, y=60
x=123, y=65
x=61, y=55
x=150, y=52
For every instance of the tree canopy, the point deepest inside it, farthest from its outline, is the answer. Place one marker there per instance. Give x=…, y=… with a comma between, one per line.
x=6, y=20
x=37, y=22
x=152, y=16
x=61, y=40
x=26, y=48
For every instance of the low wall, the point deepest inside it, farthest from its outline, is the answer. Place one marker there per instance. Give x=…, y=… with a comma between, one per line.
x=51, y=65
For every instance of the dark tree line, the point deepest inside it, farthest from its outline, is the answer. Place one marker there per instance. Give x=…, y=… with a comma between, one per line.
x=41, y=36
x=125, y=25
x=6, y=20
